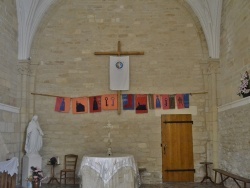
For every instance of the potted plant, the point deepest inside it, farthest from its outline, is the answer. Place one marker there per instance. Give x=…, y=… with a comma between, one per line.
x=36, y=177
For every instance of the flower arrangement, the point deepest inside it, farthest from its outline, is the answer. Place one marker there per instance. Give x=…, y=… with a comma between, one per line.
x=36, y=175
x=244, y=89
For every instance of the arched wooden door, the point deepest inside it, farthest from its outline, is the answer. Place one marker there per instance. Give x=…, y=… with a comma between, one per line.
x=177, y=148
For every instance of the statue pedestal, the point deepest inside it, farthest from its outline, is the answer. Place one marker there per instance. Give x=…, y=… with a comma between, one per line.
x=29, y=160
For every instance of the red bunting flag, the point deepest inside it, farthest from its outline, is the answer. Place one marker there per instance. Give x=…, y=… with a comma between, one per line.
x=62, y=104
x=179, y=100
x=165, y=102
x=95, y=104
x=128, y=102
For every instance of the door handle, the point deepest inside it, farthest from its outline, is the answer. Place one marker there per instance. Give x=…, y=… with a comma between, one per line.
x=164, y=149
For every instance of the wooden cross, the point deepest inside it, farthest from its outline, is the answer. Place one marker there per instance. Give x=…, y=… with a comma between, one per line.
x=119, y=53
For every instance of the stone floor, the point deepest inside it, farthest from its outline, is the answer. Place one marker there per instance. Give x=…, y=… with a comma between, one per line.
x=164, y=185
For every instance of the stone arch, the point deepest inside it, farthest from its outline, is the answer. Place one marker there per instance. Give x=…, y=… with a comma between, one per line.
x=57, y=4
x=35, y=50
x=25, y=47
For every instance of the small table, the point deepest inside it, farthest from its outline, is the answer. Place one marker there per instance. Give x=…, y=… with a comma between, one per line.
x=8, y=171
x=52, y=178
x=115, y=171
x=206, y=175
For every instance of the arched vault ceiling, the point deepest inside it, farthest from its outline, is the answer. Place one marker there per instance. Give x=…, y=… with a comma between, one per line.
x=209, y=14
x=31, y=12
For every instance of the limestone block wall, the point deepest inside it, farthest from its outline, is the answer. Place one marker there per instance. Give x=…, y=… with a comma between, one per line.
x=234, y=144
x=234, y=48
x=234, y=122
x=8, y=52
x=63, y=51
x=9, y=83
x=9, y=128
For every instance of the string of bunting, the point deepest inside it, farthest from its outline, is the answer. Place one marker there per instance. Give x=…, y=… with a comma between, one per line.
x=138, y=102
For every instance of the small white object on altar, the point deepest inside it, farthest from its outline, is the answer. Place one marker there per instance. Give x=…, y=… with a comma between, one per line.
x=102, y=171
x=10, y=166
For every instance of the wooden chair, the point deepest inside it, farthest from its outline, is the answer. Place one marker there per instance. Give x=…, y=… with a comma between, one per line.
x=70, y=161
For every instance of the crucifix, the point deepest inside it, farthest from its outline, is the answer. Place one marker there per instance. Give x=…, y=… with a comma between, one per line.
x=119, y=53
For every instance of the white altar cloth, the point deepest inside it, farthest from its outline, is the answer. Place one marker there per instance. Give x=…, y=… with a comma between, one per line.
x=102, y=171
x=9, y=166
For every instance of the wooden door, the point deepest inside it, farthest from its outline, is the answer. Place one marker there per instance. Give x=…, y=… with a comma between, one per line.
x=177, y=148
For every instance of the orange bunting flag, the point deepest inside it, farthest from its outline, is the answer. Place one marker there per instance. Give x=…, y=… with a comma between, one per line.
x=62, y=104
x=179, y=100
x=109, y=102
x=80, y=105
x=157, y=101
x=95, y=104
x=165, y=102
x=141, y=104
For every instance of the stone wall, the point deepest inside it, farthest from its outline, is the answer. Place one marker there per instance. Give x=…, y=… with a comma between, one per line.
x=9, y=127
x=234, y=144
x=233, y=122
x=9, y=82
x=234, y=48
x=64, y=47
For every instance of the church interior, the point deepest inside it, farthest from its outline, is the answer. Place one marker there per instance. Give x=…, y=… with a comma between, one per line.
x=193, y=54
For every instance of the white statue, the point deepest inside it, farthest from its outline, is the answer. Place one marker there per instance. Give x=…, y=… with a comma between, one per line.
x=34, y=141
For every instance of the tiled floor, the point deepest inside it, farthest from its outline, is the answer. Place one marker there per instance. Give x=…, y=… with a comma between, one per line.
x=164, y=185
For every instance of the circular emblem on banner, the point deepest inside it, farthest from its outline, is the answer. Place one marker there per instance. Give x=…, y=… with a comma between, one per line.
x=119, y=65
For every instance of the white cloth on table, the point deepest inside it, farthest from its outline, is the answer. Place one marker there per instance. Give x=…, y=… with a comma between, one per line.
x=10, y=166
x=108, y=166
